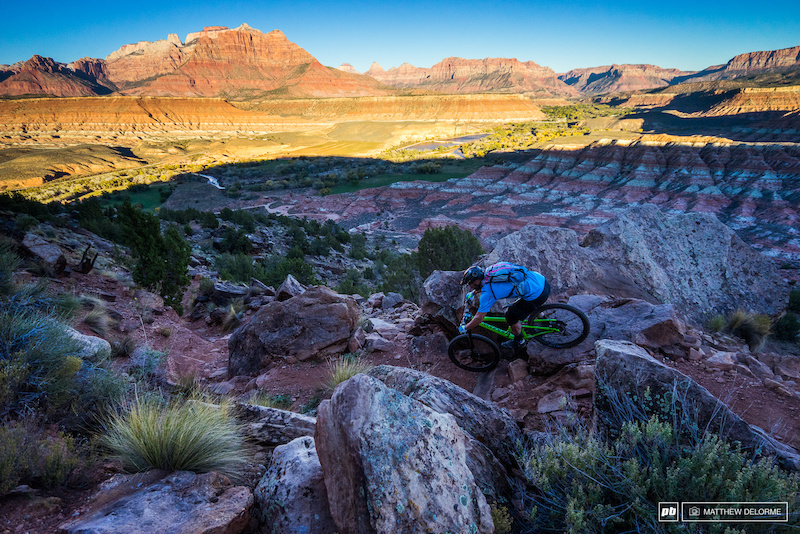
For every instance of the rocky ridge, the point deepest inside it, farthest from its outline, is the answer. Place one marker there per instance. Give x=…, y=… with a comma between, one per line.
x=751, y=63
x=620, y=78
x=459, y=75
x=44, y=76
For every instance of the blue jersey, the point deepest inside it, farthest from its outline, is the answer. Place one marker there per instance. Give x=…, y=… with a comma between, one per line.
x=530, y=289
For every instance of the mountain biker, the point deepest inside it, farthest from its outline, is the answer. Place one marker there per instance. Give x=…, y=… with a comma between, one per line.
x=532, y=292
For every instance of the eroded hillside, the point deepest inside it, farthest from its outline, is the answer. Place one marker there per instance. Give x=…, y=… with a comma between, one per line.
x=753, y=189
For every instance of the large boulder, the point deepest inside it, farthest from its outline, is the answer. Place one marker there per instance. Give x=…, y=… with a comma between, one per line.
x=692, y=261
x=655, y=326
x=314, y=325
x=483, y=420
x=442, y=298
x=47, y=254
x=271, y=426
x=179, y=502
x=627, y=375
x=291, y=496
x=392, y=464
x=87, y=347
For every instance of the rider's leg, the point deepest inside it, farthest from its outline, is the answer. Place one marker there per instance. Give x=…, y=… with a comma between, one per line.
x=514, y=315
x=519, y=311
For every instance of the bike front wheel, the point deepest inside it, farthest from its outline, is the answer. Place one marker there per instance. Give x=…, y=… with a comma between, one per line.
x=559, y=326
x=474, y=352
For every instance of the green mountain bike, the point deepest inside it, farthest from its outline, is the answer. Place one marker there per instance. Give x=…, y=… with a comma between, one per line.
x=555, y=325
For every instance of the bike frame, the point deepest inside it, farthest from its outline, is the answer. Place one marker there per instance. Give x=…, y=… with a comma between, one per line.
x=528, y=331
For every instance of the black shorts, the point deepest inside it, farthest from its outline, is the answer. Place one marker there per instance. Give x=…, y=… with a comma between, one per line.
x=523, y=308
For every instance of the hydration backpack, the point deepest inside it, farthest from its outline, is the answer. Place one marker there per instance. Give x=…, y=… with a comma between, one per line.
x=505, y=272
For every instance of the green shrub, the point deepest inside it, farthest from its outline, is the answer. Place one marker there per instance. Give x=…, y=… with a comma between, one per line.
x=206, y=287
x=277, y=269
x=25, y=222
x=161, y=261
x=352, y=284
x=31, y=455
x=794, y=300
x=235, y=241
x=449, y=248
x=716, y=323
x=787, y=328
x=235, y=268
x=9, y=262
x=38, y=361
x=179, y=435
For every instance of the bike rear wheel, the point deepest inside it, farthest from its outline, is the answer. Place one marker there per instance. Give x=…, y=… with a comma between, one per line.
x=557, y=325
x=474, y=352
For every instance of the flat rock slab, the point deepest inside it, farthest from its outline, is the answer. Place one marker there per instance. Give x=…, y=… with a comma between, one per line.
x=178, y=503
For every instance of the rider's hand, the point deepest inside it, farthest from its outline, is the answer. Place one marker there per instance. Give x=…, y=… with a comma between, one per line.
x=462, y=329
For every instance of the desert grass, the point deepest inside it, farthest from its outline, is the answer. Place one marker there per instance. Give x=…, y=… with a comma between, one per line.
x=344, y=368
x=176, y=435
x=752, y=328
x=267, y=400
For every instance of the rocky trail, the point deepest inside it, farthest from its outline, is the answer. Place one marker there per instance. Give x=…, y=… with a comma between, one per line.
x=537, y=390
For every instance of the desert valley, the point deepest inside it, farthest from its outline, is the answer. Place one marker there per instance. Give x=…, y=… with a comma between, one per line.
x=658, y=201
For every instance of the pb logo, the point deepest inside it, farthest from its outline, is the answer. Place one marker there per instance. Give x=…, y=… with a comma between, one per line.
x=668, y=512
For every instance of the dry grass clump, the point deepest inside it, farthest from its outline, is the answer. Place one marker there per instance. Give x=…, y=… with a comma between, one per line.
x=752, y=328
x=345, y=368
x=176, y=435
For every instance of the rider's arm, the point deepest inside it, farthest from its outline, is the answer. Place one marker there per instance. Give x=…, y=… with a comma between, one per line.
x=475, y=321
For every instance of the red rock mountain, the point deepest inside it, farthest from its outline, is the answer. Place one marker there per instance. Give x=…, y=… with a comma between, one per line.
x=243, y=62
x=237, y=63
x=44, y=76
x=618, y=78
x=458, y=75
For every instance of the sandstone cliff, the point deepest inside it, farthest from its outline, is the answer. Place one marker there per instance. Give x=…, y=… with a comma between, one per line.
x=751, y=63
x=458, y=75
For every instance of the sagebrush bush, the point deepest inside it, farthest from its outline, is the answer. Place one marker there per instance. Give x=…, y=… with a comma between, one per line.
x=147, y=363
x=39, y=362
x=586, y=485
x=31, y=455
x=178, y=435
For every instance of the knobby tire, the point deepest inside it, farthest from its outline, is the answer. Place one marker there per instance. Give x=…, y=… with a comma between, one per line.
x=474, y=352
x=571, y=323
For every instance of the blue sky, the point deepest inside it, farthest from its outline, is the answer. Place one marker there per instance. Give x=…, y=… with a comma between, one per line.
x=564, y=35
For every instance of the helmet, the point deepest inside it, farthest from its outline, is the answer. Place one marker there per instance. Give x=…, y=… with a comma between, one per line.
x=472, y=274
